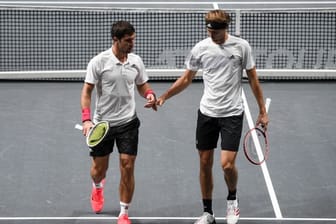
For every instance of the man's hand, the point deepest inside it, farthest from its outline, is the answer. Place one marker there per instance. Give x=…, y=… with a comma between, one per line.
x=151, y=101
x=87, y=125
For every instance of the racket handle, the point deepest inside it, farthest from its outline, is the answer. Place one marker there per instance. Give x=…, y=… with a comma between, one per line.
x=79, y=127
x=267, y=104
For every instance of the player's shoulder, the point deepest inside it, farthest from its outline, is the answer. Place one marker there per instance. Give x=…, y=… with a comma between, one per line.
x=202, y=45
x=104, y=55
x=238, y=40
x=134, y=58
x=204, y=42
x=101, y=59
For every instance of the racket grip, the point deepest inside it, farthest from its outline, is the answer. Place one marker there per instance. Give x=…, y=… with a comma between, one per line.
x=79, y=127
x=267, y=104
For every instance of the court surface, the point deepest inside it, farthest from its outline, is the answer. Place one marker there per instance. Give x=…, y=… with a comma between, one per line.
x=44, y=163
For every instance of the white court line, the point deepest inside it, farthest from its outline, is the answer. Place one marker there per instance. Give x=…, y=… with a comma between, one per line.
x=264, y=168
x=170, y=3
x=163, y=218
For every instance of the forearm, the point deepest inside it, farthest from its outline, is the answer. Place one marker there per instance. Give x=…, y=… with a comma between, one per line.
x=145, y=89
x=180, y=84
x=85, y=102
x=258, y=94
x=257, y=90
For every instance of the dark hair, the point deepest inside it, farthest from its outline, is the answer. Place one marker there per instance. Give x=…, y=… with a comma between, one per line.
x=122, y=28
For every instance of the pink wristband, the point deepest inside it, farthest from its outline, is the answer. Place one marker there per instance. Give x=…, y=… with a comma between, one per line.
x=86, y=114
x=149, y=91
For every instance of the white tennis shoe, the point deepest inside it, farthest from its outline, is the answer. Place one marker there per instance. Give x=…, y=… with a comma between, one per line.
x=232, y=212
x=206, y=218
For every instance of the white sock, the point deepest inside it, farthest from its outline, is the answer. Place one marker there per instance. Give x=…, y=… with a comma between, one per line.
x=123, y=208
x=98, y=185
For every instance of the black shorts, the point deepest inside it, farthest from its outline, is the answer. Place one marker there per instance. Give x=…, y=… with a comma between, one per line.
x=209, y=128
x=126, y=137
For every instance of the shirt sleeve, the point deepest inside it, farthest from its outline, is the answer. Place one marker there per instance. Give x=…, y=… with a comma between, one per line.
x=142, y=76
x=248, y=60
x=91, y=72
x=192, y=61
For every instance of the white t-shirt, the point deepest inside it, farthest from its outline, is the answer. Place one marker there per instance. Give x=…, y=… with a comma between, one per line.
x=115, y=83
x=222, y=67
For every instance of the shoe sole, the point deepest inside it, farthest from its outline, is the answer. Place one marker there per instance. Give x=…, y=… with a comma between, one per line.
x=232, y=222
x=96, y=211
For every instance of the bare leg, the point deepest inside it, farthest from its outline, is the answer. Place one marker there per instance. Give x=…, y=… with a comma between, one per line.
x=205, y=175
x=228, y=159
x=127, y=183
x=99, y=167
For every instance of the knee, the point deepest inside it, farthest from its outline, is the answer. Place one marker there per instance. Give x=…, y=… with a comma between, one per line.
x=127, y=165
x=205, y=164
x=228, y=159
x=98, y=172
x=228, y=167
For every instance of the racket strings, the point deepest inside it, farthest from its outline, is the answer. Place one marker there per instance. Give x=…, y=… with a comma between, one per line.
x=97, y=133
x=256, y=146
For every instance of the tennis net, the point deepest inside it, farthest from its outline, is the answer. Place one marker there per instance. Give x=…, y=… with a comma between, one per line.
x=57, y=43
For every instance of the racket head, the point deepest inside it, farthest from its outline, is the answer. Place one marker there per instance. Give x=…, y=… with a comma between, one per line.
x=97, y=134
x=256, y=145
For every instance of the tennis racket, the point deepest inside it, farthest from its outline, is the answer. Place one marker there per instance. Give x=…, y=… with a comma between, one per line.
x=256, y=143
x=96, y=134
